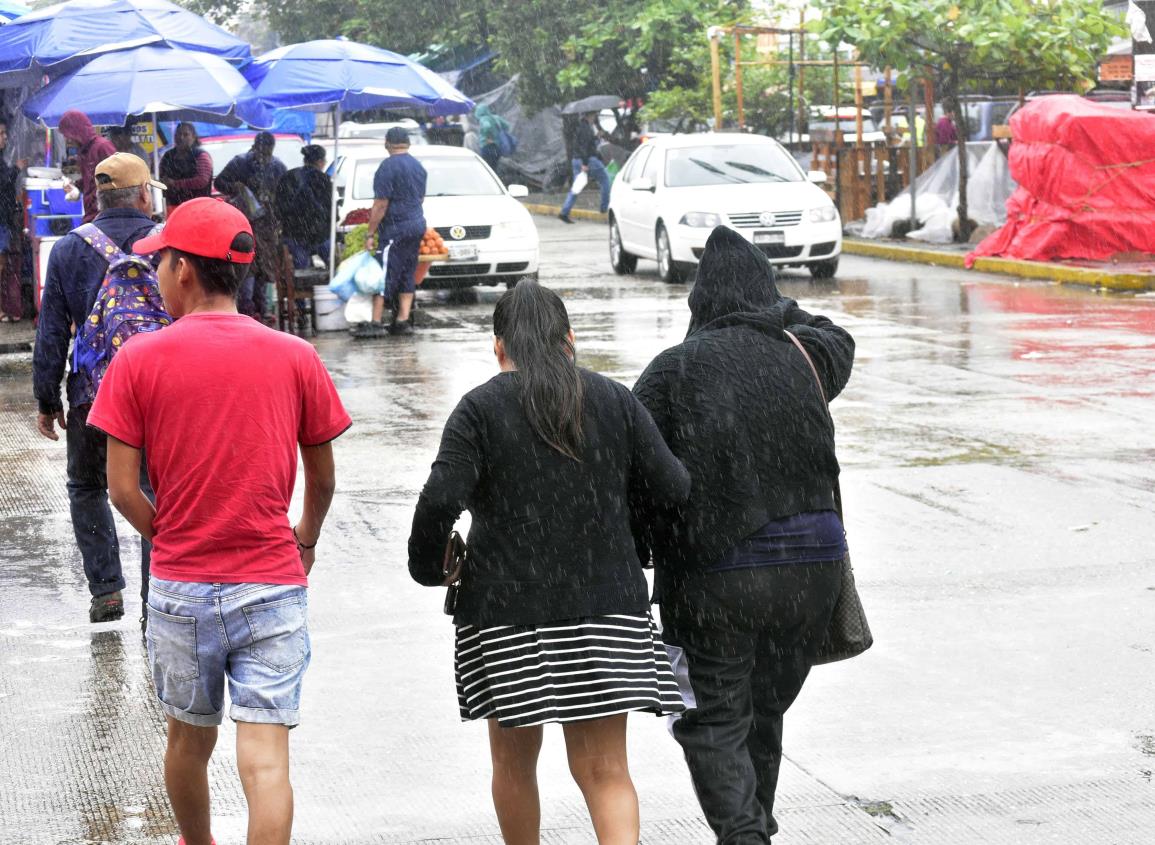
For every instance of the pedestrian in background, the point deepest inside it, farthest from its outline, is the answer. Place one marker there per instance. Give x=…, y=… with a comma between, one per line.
x=490, y=128
x=586, y=160
x=250, y=181
x=553, y=602
x=304, y=207
x=945, y=131
x=11, y=234
x=122, y=140
x=186, y=169
x=222, y=405
x=91, y=149
x=396, y=226
x=749, y=569
x=72, y=280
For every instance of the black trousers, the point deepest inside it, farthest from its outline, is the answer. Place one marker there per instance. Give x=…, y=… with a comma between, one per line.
x=749, y=637
x=91, y=514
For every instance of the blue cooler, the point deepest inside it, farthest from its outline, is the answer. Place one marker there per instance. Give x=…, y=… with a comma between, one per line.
x=49, y=213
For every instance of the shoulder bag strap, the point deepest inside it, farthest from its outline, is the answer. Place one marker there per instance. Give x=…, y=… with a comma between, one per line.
x=810, y=361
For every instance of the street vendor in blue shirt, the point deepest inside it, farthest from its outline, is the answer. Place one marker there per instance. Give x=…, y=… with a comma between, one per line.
x=396, y=226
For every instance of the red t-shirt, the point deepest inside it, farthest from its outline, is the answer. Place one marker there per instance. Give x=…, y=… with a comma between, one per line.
x=219, y=403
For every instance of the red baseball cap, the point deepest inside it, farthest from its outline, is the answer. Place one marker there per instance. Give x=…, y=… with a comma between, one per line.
x=203, y=226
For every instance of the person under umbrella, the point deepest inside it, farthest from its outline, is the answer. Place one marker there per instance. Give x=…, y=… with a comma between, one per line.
x=303, y=206
x=186, y=169
x=91, y=150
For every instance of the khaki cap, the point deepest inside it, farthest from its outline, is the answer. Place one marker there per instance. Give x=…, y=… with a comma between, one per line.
x=123, y=170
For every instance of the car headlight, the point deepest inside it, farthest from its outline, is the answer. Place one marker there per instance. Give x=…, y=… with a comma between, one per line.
x=824, y=214
x=509, y=228
x=701, y=219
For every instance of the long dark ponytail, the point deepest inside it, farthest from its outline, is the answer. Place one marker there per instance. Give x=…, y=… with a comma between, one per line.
x=534, y=327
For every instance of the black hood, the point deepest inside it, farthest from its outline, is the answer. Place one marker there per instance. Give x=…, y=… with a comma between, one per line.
x=734, y=278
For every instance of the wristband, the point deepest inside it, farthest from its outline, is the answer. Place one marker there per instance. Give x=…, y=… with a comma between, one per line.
x=302, y=545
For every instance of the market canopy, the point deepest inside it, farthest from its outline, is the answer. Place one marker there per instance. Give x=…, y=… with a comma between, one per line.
x=10, y=11
x=335, y=73
x=178, y=84
x=57, y=38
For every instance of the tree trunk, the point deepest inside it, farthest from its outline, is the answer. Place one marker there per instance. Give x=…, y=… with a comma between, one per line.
x=951, y=101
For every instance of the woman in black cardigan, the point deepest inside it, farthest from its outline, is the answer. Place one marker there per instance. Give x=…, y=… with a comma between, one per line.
x=552, y=618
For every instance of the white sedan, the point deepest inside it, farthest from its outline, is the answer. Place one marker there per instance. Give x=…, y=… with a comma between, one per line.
x=675, y=189
x=490, y=236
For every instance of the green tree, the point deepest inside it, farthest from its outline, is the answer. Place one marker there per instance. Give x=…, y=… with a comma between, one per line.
x=961, y=42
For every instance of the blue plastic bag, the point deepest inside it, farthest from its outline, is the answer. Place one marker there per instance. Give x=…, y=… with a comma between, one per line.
x=359, y=273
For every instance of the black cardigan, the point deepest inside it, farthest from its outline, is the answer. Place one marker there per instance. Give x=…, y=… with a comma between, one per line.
x=738, y=404
x=550, y=537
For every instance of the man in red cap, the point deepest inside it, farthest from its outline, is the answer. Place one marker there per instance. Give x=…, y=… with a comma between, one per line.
x=221, y=404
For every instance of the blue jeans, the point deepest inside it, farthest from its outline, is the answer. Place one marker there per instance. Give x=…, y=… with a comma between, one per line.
x=597, y=171
x=303, y=252
x=91, y=515
x=254, y=636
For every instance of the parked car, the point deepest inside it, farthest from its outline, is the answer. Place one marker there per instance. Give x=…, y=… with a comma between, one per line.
x=675, y=189
x=224, y=148
x=351, y=129
x=491, y=236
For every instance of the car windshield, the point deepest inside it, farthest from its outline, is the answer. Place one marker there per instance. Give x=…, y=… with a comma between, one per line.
x=448, y=177
x=728, y=165
x=222, y=152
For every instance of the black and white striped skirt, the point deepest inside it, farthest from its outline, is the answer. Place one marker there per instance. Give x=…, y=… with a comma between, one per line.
x=564, y=671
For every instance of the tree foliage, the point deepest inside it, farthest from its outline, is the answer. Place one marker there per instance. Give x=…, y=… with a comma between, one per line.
x=974, y=43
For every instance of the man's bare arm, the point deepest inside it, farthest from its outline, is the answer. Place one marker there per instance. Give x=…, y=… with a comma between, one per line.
x=124, y=487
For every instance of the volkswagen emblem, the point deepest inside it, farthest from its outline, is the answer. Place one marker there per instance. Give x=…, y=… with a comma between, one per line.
x=457, y=233
x=766, y=218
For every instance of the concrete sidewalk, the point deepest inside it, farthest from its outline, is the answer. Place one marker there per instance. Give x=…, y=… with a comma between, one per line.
x=17, y=337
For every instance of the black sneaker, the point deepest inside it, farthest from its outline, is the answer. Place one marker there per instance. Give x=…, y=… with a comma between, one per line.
x=401, y=328
x=106, y=608
x=564, y=218
x=368, y=330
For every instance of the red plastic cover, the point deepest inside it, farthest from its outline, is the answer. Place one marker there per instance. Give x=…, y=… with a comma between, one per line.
x=1086, y=176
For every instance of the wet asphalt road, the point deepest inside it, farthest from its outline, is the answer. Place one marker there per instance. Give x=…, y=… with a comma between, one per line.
x=997, y=445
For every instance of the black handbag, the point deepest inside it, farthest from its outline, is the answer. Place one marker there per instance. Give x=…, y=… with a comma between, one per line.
x=849, y=633
x=453, y=561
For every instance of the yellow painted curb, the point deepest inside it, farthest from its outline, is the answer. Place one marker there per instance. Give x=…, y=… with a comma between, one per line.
x=555, y=210
x=1042, y=270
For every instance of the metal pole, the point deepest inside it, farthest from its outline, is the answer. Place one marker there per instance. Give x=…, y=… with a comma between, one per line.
x=333, y=187
x=913, y=160
x=790, y=87
x=716, y=67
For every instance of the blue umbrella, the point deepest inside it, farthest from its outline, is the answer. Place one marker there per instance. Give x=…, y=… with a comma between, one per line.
x=54, y=39
x=10, y=11
x=181, y=84
x=336, y=74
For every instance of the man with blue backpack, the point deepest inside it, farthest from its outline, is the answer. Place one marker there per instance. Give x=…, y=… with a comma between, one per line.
x=92, y=283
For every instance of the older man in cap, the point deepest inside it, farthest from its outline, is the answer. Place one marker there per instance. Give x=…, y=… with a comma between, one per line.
x=75, y=272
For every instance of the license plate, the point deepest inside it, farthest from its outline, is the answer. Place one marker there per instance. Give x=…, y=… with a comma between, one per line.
x=769, y=237
x=462, y=252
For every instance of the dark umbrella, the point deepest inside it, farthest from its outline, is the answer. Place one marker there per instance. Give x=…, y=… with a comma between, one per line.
x=597, y=102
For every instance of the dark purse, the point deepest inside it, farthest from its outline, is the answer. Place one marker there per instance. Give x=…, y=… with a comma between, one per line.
x=849, y=633
x=454, y=561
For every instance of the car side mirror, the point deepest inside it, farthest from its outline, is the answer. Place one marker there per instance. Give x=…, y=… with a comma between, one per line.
x=818, y=177
x=643, y=183
x=518, y=191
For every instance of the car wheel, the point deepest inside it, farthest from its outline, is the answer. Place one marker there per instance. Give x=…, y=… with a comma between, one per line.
x=670, y=270
x=622, y=262
x=824, y=269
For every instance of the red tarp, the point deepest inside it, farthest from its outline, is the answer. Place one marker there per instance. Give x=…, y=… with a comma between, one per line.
x=1086, y=175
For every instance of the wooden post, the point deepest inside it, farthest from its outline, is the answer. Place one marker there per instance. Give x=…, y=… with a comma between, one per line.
x=931, y=139
x=888, y=98
x=738, y=79
x=858, y=104
x=716, y=67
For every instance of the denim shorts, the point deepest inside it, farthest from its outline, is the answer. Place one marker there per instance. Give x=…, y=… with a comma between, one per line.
x=255, y=636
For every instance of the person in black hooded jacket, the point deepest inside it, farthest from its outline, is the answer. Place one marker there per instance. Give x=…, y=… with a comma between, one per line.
x=748, y=570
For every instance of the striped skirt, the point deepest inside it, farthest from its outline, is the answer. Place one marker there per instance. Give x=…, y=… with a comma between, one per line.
x=564, y=671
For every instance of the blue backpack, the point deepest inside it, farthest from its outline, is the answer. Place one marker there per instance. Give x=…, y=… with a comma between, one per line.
x=506, y=143
x=127, y=303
